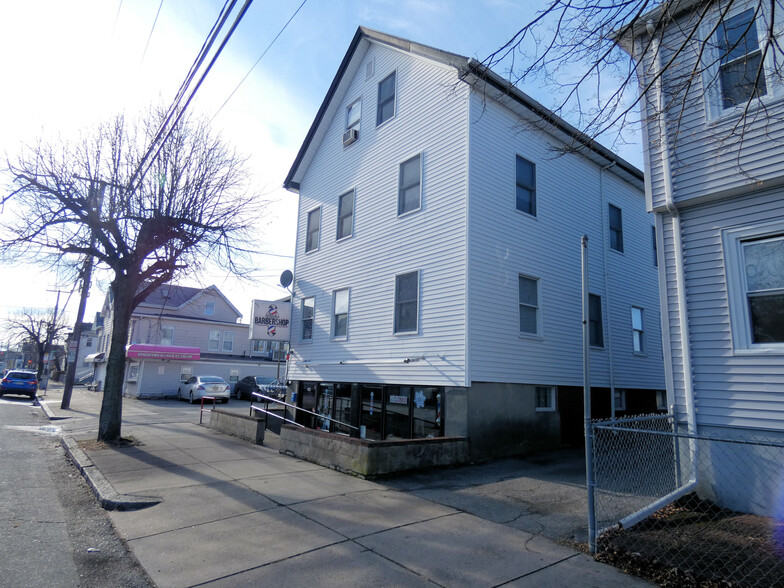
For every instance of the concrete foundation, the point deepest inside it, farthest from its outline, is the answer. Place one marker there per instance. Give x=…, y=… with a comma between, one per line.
x=238, y=425
x=370, y=459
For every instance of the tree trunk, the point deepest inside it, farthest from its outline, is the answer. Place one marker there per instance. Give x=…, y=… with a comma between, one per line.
x=110, y=422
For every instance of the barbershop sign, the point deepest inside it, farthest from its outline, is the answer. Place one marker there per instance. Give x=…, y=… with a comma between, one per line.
x=270, y=320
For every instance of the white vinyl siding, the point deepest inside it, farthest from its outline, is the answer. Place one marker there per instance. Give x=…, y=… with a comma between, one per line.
x=431, y=119
x=733, y=387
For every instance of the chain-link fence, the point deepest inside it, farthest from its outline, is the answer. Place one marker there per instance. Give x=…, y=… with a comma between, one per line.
x=688, y=510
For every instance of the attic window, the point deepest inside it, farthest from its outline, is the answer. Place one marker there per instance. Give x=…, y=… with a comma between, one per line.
x=386, y=99
x=209, y=308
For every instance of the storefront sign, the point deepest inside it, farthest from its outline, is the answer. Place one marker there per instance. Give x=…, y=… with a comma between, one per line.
x=141, y=351
x=270, y=320
x=398, y=399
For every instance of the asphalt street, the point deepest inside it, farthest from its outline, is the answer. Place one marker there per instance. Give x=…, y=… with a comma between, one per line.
x=52, y=531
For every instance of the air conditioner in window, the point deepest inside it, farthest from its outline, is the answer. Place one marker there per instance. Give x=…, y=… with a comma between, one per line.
x=350, y=136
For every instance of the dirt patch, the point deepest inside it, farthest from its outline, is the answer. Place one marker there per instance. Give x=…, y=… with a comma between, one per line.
x=94, y=445
x=694, y=543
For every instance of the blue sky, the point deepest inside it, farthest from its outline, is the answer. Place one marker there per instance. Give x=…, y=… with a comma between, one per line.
x=69, y=64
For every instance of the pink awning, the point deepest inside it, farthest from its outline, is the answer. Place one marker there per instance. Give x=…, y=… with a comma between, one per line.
x=141, y=351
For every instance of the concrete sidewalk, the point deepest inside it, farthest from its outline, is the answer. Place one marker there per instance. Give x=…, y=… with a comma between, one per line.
x=231, y=513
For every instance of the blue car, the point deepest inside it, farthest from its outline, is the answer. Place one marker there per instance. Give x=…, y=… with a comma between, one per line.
x=19, y=382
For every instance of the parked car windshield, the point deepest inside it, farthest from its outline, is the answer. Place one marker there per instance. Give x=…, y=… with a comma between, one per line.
x=212, y=380
x=264, y=381
x=21, y=376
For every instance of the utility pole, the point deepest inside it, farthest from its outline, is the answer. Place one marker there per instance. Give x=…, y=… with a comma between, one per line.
x=97, y=197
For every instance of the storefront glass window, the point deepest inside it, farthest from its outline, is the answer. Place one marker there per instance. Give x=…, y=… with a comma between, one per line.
x=372, y=397
x=427, y=412
x=398, y=420
x=342, y=408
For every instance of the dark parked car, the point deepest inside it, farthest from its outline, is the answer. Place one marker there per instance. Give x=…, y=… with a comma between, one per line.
x=267, y=386
x=19, y=382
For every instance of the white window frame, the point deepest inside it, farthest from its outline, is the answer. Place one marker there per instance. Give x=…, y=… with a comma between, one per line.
x=550, y=405
x=740, y=319
x=170, y=338
x=661, y=400
x=317, y=232
x=378, y=101
x=312, y=319
x=397, y=302
x=353, y=195
x=641, y=330
x=356, y=125
x=335, y=313
x=209, y=308
x=537, y=307
x=714, y=108
x=531, y=188
x=214, y=337
x=400, y=212
x=228, y=342
x=618, y=230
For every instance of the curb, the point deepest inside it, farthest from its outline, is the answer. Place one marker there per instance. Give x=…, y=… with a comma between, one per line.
x=107, y=496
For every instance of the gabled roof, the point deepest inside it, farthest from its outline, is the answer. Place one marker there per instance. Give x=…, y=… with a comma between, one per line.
x=471, y=71
x=176, y=297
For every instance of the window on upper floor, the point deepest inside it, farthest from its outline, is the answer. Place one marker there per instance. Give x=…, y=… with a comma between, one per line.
x=545, y=398
x=528, y=302
x=638, y=332
x=655, y=247
x=525, y=196
x=741, y=74
x=386, y=99
x=209, y=308
x=407, y=302
x=353, y=115
x=345, y=215
x=754, y=257
x=313, y=230
x=616, y=228
x=228, y=341
x=308, y=314
x=88, y=342
x=410, y=185
x=340, y=313
x=214, y=341
x=167, y=335
x=595, y=322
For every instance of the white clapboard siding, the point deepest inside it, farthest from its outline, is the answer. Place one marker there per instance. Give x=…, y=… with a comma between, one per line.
x=431, y=106
x=731, y=389
x=189, y=333
x=505, y=243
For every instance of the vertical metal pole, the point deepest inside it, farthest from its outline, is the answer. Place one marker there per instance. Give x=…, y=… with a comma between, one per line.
x=589, y=482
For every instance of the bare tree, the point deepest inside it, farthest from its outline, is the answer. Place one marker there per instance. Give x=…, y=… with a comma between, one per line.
x=35, y=326
x=591, y=56
x=191, y=207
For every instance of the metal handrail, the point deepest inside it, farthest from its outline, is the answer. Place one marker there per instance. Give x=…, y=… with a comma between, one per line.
x=201, y=411
x=268, y=399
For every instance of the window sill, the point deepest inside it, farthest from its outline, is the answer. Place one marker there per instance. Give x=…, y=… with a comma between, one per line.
x=615, y=250
x=409, y=213
x=716, y=115
x=597, y=348
x=530, y=336
x=759, y=351
x=346, y=238
x=405, y=333
x=639, y=354
x=526, y=214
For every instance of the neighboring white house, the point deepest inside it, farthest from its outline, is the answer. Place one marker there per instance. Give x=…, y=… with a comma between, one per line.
x=716, y=169
x=437, y=285
x=179, y=331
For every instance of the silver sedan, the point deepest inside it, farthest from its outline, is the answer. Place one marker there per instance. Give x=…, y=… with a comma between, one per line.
x=197, y=387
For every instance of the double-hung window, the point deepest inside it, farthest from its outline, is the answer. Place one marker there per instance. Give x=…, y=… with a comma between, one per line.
x=595, y=323
x=313, y=230
x=410, y=185
x=528, y=300
x=345, y=215
x=308, y=314
x=386, y=99
x=525, y=195
x=340, y=313
x=167, y=335
x=406, y=302
x=214, y=344
x=741, y=72
x=638, y=332
x=755, y=281
x=228, y=341
x=353, y=115
x=616, y=227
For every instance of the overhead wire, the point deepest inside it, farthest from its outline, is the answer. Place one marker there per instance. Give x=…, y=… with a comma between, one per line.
x=152, y=30
x=242, y=81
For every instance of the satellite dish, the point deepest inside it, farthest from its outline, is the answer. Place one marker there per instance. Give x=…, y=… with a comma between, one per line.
x=286, y=278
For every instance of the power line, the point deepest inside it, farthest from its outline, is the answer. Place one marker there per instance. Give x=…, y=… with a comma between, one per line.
x=242, y=81
x=157, y=14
